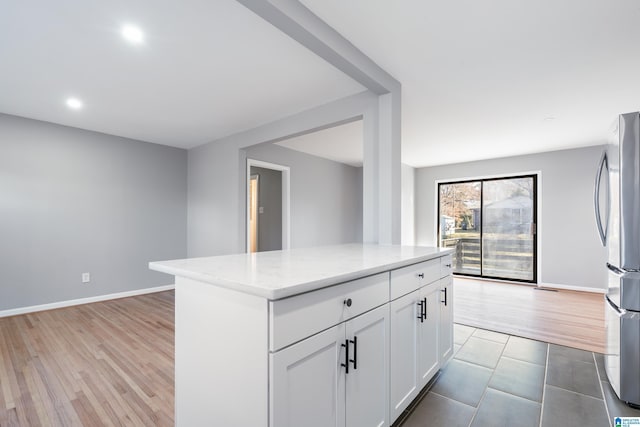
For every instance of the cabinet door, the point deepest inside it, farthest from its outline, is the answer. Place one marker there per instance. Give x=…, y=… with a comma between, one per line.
x=428, y=355
x=403, y=353
x=367, y=383
x=446, y=319
x=307, y=382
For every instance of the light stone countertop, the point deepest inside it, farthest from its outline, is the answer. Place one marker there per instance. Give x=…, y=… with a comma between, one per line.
x=280, y=274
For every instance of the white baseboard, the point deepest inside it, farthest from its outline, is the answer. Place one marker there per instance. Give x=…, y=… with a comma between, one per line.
x=69, y=303
x=541, y=285
x=572, y=288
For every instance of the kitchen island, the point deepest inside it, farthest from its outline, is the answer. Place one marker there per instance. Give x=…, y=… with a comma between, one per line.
x=331, y=336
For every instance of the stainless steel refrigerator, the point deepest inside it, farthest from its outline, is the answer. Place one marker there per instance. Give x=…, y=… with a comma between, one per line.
x=617, y=207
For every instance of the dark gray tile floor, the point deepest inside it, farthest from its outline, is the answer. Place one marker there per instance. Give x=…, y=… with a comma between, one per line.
x=501, y=380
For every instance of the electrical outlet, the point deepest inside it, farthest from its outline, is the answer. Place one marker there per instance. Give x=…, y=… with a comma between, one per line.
x=86, y=277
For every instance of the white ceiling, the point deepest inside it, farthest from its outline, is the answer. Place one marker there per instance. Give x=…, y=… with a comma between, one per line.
x=341, y=143
x=494, y=78
x=206, y=70
x=480, y=79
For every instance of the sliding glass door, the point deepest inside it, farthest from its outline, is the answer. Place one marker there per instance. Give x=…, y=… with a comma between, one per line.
x=491, y=225
x=460, y=224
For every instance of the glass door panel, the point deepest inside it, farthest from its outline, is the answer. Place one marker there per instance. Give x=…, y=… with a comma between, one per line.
x=491, y=225
x=460, y=224
x=508, y=221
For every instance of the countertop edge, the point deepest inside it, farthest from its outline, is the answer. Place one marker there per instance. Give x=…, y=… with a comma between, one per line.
x=276, y=294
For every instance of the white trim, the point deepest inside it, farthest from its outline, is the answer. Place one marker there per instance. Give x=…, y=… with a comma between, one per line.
x=490, y=176
x=286, y=185
x=572, y=288
x=539, y=226
x=538, y=175
x=80, y=301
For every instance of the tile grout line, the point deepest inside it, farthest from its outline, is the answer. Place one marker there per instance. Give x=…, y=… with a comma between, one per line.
x=577, y=393
x=449, y=398
x=493, y=371
x=544, y=383
x=604, y=398
x=466, y=339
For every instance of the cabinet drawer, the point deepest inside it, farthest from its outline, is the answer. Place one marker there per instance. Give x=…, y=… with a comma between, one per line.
x=446, y=266
x=295, y=318
x=408, y=279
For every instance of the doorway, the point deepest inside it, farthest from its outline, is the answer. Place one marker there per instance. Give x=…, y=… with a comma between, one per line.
x=491, y=225
x=267, y=206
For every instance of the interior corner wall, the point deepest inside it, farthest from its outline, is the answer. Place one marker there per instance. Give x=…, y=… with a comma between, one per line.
x=325, y=199
x=75, y=201
x=408, y=206
x=570, y=252
x=215, y=214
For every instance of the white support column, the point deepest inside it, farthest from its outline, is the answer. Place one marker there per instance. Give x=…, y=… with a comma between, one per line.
x=370, y=175
x=389, y=168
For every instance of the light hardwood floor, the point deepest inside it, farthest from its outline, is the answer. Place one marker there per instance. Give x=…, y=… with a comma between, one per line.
x=570, y=318
x=109, y=363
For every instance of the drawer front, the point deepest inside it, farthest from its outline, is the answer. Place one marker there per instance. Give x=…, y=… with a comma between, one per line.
x=446, y=265
x=412, y=277
x=298, y=317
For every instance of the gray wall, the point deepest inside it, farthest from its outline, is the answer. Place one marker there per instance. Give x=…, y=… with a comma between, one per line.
x=270, y=201
x=74, y=201
x=216, y=199
x=216, y=212
x=326, y=196
x=569, y=248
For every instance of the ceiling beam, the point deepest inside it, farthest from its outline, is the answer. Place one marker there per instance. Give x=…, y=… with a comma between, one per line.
x=297, y=21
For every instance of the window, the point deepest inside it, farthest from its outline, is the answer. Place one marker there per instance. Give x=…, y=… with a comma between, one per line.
x=491, y=225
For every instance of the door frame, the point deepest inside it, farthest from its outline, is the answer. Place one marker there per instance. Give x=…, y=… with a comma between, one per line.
x=538, y=211
x=286, y=172
x=253, y=211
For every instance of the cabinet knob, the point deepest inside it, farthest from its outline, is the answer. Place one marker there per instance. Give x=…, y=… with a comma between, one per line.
x=421, y=275
x=348, y=302
x=448, y=265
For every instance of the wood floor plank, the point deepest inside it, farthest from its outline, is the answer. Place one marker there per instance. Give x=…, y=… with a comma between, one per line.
x=9, y=418
x=103, y=364
x=570, y=318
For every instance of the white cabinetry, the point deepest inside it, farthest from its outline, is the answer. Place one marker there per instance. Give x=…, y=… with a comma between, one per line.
x=421, y=329
x=329, y=354
x=428, y=360
x=446, y=319
x=338, y=376
x=404, y=352
x=306, y=387
x=445, y=329
x=367, y=383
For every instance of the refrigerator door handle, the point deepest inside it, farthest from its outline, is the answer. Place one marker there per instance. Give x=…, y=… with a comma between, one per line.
x=620, y=312
x=615, y=270
x=596, y=199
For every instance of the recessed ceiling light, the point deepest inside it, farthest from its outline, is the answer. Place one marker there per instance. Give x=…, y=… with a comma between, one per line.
x=74, y=103
x=132, y=34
